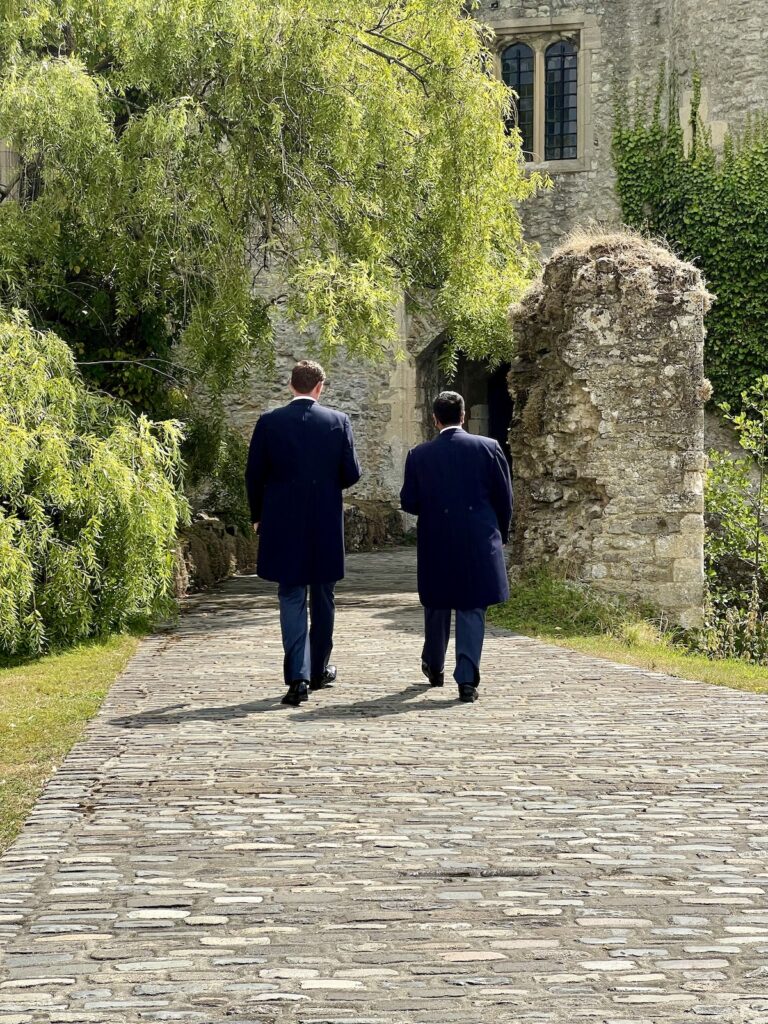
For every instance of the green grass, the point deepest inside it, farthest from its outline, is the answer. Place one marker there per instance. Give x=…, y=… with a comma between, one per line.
x=573, y=616
x=44, y=705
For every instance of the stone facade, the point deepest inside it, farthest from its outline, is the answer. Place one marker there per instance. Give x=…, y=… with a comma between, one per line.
x=622, y=44
x=608, y=429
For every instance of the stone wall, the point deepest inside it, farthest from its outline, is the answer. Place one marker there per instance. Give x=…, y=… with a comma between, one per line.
x=608, y=429
x=383, y=400
x=624, y=44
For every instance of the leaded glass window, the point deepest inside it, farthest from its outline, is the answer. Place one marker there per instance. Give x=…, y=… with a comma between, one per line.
x=517, y=71
x=561, y=72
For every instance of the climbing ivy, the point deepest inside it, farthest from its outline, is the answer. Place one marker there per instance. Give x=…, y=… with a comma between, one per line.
x=712, y=208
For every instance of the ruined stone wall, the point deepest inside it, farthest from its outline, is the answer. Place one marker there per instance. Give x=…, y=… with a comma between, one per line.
x=608, y=430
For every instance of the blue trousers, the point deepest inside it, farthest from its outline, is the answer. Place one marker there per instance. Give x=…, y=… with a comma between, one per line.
x=470, y=633
x=307, y=647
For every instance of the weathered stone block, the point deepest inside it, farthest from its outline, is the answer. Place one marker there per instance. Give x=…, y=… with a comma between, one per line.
x=608, y=390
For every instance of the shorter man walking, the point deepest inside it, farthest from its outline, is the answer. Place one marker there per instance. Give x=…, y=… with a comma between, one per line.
x=302, y=457
x=459, y=486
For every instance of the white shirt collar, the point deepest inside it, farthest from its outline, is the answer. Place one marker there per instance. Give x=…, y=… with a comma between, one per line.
x=303, y=398
x=454, y=426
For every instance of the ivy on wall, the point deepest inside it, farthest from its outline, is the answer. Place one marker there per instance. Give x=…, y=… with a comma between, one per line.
x=713, y=209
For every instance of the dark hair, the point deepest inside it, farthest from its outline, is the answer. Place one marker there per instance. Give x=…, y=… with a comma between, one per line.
x=306, y=375
x=448, y=408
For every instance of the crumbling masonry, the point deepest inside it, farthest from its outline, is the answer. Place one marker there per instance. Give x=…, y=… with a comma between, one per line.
x=608, y=430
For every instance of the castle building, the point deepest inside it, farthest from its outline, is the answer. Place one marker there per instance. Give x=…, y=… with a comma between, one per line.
x=567, y=60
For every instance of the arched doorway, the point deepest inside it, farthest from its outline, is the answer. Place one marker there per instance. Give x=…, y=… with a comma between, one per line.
x=486, y=394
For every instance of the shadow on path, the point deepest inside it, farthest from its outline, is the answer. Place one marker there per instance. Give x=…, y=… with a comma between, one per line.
x=398, y=703
x=173, y=714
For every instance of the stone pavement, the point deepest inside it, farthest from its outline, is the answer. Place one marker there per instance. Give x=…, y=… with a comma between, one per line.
x=588, y=843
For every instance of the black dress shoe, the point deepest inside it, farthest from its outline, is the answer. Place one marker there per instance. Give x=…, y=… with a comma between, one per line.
x=435, y=678
x=326, y=679
x=468, y=693
x=297, y=693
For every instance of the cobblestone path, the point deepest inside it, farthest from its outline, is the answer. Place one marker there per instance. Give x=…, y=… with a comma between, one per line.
x=588, y=842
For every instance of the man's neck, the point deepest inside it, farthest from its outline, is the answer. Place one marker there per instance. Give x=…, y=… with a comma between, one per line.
x=303, y=398
x=451, y=426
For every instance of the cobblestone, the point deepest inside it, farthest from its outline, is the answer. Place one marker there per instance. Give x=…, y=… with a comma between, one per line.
x=587, y=843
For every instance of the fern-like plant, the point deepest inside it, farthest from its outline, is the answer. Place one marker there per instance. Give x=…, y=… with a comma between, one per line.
x=90, y=500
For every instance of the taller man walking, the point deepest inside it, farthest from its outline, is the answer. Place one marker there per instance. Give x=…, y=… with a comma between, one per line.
x=302, y=457
x=459, y=486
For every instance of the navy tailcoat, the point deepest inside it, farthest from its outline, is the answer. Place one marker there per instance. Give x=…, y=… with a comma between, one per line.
x=459, y=487
x=301, y=458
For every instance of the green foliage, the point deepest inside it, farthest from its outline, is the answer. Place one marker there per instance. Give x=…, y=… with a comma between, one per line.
x=188, y=164
x=89, y=501
x=713, y=210
x=735, y=631
x=734, y=532
x=218, y=470
x=545, y=603
x=736, y=550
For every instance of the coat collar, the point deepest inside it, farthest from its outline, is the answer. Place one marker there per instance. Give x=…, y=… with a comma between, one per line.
x=449, y=432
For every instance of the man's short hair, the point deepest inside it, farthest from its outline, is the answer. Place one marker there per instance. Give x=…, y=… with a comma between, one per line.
x=448, y=408
x=306, y=375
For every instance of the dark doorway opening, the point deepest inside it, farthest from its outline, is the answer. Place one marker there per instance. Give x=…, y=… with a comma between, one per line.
x=486, y=394
x=488, y=401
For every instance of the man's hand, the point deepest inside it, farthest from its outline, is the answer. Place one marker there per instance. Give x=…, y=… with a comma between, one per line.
x=255, y=527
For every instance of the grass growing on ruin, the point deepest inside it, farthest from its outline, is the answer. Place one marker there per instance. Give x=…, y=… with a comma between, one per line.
x=573, y=616
x=44, y=706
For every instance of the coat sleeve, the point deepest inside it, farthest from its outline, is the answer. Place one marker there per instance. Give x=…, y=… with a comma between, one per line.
x=501, y=491
x=256, y=470
x=409, y=494
x=350, y=466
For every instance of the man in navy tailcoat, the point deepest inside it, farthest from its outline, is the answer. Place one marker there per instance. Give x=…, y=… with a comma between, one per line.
x=301, y=458
x=459, y=486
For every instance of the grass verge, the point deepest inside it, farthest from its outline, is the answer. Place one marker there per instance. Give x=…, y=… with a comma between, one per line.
x=572, y=616
x=44, y=706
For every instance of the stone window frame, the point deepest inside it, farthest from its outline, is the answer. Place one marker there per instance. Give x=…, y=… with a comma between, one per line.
x=539, y=33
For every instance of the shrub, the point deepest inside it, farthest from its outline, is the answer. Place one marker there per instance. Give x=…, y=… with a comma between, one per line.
x=735, y=631
x=733, y=526
x=89, y=500
x=542, y=602
x=736, y=550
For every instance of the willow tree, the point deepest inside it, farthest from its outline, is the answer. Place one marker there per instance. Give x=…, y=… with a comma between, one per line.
x=172, y=153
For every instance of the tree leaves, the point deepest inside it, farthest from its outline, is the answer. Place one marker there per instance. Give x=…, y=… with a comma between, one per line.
x=89, y=500
x=185, y=147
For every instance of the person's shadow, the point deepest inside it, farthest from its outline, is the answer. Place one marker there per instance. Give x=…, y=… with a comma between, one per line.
x=175, y=714
x=398, y=703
